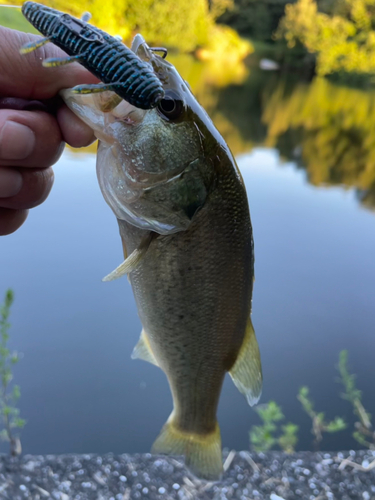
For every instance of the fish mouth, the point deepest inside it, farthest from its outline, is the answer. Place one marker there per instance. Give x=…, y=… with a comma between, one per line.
x=105, y=107
x=124, y=112
x=99, y=113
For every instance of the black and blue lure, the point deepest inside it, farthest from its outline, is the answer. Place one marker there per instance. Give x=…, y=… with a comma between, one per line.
x=106, y=57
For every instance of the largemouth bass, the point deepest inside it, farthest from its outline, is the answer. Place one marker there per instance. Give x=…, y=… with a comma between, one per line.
x=184, y=221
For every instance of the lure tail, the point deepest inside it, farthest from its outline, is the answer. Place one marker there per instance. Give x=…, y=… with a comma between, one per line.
x=202, y=451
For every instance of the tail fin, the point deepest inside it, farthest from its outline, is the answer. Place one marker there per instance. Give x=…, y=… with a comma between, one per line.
x=202, y=451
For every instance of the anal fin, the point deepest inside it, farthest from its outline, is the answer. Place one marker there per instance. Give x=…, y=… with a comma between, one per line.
x=132, y=261
x=246, y=372
x=143, y=350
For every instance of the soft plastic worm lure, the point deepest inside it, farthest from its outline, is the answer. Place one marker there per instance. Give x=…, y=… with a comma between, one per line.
x=121, y=70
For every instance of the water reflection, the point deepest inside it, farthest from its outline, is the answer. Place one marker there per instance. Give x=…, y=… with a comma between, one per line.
x=80, y=390
x=77, y=333
x=327, y=129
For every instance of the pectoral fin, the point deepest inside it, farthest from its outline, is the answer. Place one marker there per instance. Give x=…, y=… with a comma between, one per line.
x=143, y=350
x=131, y=262
x=247, y=370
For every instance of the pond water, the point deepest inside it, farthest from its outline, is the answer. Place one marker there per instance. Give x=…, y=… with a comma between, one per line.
x=307, y=156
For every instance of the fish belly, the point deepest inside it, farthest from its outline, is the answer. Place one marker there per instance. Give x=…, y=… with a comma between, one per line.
x=193, y=292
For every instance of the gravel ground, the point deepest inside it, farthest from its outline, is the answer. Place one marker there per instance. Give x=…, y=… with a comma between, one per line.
x=248, y=476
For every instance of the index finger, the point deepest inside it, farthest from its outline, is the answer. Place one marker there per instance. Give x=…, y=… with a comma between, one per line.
x=24, y=76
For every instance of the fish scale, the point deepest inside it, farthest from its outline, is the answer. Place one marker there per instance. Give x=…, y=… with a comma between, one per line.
x=184, y=222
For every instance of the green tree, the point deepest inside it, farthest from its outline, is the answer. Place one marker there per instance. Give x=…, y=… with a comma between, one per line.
x=176, y=25
x=257, y=19
x=343, y=40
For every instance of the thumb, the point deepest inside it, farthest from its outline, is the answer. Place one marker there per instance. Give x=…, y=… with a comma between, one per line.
x=24, y=76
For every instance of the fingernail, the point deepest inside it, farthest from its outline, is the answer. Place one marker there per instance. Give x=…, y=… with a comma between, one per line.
x=16, y=141
x=10, y=182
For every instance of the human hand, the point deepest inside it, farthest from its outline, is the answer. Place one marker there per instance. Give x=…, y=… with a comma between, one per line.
x=34, y=124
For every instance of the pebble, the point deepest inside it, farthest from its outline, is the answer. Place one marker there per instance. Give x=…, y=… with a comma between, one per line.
x=304, y=476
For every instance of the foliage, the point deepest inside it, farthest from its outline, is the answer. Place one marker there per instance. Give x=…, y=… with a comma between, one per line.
x=343, y=41
x=257, y=19
x=364, y=433
x=8, y=397
x=288, y=439
x=263, y=437
x=266, y=436
x=165, y=22
x=175, y=24
x=218, y=7
x=319, y=425
x=225, y=44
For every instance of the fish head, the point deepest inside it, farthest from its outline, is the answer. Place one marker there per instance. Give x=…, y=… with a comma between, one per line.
x=155, y=167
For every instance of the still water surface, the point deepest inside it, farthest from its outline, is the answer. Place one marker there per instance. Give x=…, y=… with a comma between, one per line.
x=313, y=296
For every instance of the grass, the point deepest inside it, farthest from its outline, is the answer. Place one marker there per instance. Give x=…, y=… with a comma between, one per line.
x=13, y=18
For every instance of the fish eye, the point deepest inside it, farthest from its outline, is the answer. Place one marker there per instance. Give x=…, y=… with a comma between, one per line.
x=172, y=106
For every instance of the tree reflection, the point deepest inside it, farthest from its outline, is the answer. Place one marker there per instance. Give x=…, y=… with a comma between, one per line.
x=325, y=128
x=329, y=130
